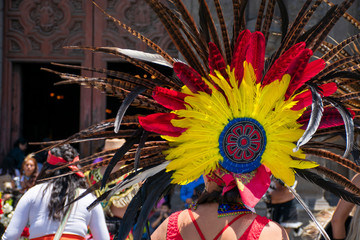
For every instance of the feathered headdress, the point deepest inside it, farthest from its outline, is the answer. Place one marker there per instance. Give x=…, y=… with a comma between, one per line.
x=228, y=107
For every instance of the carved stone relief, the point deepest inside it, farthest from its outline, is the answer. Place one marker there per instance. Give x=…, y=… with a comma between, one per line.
x=77, y=4
x=46, y=16
x=14, y=4
x=14, y=46
x=35, y=45
x=16, y=25
x=43, y=27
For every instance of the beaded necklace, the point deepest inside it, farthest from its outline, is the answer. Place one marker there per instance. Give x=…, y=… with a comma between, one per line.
x=227, y=209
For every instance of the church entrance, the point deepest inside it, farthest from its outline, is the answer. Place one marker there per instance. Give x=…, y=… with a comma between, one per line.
x=48, y=110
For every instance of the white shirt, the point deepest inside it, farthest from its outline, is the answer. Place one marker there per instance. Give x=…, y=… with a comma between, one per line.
x=32, y=210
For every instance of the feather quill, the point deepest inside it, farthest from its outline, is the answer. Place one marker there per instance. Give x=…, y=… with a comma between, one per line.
x=349, y=124
x=315, y=118
x=120, y=153
x=306, y=208
x=330, y=186
x=125, y=105
x=143, y=139
x=284, y=19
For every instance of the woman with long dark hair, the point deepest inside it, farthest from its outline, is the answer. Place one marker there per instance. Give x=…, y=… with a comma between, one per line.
x=44, y=207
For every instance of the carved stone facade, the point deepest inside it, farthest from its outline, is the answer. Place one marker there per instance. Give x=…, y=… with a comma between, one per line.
x=38, y=30
x=41, y=28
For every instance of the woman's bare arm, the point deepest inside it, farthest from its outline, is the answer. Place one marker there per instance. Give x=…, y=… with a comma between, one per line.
x=160, y=232
x=341, y=213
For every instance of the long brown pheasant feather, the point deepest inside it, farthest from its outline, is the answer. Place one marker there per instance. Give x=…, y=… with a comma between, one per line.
x=144, y=39
x=224, y=31
x=333, y=157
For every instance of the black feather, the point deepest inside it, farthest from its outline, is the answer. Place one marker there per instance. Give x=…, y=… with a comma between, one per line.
x=340, y=74
x=315, y=117
x=348, y=122
x=125, y=105
x=204, y=29
x=130, y=216
x=98, y=200
x=327, y=185
x=142, y=203
x=158, y=184
x=143, y=138
x=139, y=176
x=120, y=153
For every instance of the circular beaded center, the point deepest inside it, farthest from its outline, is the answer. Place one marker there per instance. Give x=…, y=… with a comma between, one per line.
x=242, y=142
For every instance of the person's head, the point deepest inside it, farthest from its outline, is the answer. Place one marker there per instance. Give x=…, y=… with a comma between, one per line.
x=66, y=151
x=21, y=143
x=165, y=207
x=64, y=186
x=29, y=167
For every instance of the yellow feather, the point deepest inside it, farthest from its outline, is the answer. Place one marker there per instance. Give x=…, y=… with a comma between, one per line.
x=196, y=169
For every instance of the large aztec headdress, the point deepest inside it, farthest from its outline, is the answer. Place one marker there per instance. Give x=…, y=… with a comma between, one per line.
x=227, y=106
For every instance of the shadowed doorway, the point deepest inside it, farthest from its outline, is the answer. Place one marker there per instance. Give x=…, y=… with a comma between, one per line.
x=48, y=111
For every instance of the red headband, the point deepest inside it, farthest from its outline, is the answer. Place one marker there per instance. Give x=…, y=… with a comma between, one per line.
x=252, y=186
x=54, y=160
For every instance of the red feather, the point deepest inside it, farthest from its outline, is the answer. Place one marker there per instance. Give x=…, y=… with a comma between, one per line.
x=191, y=78
x=309, y=72
x=312, y=69
x=296, y=70
x=305, y=98
x=161, y=123
x=331, y=118
x=216, y=61
x=281, y=64
x=169, y=98
x=239, y=55
x=255, y=54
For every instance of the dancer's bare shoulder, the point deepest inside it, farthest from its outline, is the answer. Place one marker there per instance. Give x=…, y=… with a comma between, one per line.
x=273, y=231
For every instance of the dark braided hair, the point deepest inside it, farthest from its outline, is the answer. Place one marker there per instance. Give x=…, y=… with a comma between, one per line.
x=230, y=197
x=64, y=187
